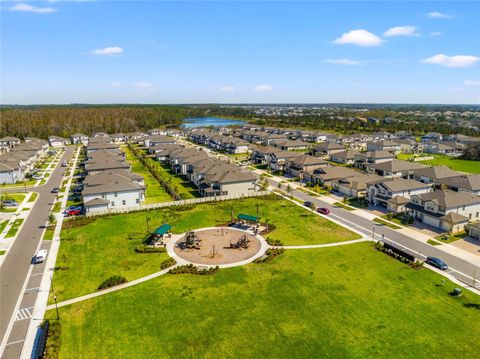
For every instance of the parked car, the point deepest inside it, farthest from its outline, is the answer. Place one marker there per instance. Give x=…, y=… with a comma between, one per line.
x=437, y=262
x=37, y=177
x=73, y=212
x=323, y=210
x=55, y=190
x=41, y=256
x=10, y=203
x=64, y=164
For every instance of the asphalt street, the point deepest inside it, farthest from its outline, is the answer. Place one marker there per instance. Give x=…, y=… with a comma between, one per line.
x=17, y=268
x=459, y=268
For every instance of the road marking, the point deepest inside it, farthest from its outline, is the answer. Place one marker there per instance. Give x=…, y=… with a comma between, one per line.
x=18, y=341
x=33, y=275
x=25, y=313
x=31, y=289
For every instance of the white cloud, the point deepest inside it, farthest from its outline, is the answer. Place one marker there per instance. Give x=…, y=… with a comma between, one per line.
x=31, y=8
x=143, y=85
x=359, y=37
x=263, y=88
x=227, y=89
x=435, y=33
x=112, y=50
x=401, y=31
x=472, y=82
x=115, y=84
x=346, y=62
x=439, y=15
x=452, y=61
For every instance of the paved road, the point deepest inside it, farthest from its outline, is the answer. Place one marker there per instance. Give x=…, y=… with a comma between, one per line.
x=16, y=267
x=460, y=268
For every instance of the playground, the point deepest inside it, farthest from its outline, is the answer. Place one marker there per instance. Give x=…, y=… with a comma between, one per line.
x=219, y=246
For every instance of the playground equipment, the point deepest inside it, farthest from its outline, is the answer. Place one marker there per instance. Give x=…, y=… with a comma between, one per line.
x=243, y=242
x=192, y=241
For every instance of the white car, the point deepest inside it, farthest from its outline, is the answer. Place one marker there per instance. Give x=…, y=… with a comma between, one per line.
x=37, y=177
x=41, y=256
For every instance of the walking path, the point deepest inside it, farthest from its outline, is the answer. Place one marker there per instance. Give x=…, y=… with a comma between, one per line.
x=44, y=288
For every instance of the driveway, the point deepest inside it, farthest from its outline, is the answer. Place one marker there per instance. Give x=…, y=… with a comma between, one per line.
x=16, y=268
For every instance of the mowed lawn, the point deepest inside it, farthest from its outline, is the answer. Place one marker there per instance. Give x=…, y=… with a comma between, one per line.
x=337, y=302
x=456, y=164
x=105, y=247
x=154, y=192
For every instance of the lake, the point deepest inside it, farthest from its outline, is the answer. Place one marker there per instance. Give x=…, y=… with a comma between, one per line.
x=210, y=121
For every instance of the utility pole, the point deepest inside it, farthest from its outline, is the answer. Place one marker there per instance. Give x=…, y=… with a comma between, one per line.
x=373, y=233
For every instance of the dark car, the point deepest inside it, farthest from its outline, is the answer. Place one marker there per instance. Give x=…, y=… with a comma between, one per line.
x=55, y=190
x=437, y=262
x=10, y=203
x=323, y=210
x=308, y=204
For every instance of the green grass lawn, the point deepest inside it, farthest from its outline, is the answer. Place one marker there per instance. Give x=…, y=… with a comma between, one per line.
x=338, y=302
x=56, y=207
x=2, y=253
x=48, y=236
x=33, y=197
x=344, y=206
x=3, y=224
x=182, y=185
x=105, y=247
x=14, y=228
x=154, y=191
x=455, y=164
x=451, y=237
x=385, y=223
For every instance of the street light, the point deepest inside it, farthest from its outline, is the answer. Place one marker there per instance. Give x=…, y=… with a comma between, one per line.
x=56, y=306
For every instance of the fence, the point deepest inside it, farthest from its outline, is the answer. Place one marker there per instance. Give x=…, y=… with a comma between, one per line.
x=183, y=202
x=425, y=158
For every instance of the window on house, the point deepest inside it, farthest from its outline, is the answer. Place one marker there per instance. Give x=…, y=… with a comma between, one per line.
x=137, y=200
x=470, y=216
x=124, y=202
x=112, y=203
x=116, y=194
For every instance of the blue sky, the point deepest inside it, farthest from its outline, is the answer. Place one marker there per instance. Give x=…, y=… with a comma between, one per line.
x=236, y=52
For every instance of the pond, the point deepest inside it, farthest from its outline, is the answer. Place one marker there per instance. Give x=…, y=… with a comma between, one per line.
x=210, y=121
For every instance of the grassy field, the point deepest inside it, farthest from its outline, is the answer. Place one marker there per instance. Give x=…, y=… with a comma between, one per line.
x=455, y=164
x=106, y=246
x=14, y=228
x=154, y=191
x=181, y=185
x=338, y=302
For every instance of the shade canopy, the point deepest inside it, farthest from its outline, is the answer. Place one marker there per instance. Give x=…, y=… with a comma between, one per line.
x=164, y=228
x=247, y=217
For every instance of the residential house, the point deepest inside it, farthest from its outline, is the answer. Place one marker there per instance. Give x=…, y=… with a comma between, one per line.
x=346, y=157
x=79, y=138
x=384, y=145
x=364, y=159
x=326, y=175
x=446, y=210
x=56, y=141
x=395, y=193
x=299, y=164
x=394, y=168
x=434, y=173
x=326, y=149
x=356, y=185
x=461, y=183
x=289, y=145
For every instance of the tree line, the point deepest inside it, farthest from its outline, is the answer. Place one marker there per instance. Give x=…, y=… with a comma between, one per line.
x=44, y=121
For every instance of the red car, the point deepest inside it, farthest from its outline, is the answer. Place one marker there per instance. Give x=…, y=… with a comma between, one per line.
x=73, y=212
x=323, y=210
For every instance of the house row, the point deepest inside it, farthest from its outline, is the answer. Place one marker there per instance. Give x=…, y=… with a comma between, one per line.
x=19, y=161
x=212, y=177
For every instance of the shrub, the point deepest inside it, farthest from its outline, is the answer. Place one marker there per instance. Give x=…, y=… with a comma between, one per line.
x=389, y=215
x=274, y=242
x=191, y=269
x=112, y=281
x=269, y=255
x=168, y=263
x=142, y=248
x=52, y=347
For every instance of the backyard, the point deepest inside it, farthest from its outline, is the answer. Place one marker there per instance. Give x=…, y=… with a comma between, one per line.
x=154, y=192
x=337, y=302
x=91, y=253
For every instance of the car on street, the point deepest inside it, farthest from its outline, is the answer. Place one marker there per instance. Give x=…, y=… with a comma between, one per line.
x=437, y=262
x=41, y=256
x=308, y=204
x=9, y=203
x=64, y=164
x=323, y=210
x=55, y=190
